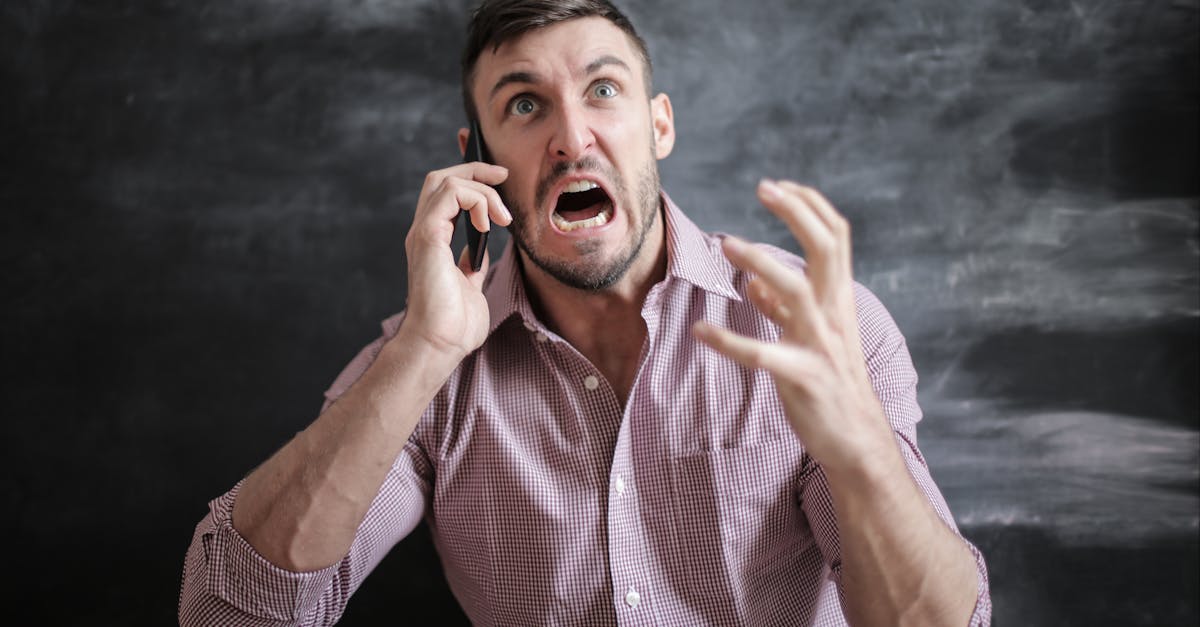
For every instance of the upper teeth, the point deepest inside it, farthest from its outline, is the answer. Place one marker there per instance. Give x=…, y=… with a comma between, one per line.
x=579, y=186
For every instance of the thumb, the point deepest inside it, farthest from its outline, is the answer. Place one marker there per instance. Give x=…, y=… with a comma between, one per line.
x=464, y=264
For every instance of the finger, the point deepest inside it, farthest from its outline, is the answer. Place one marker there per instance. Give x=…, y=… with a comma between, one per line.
x=802, y=220
x=745, y=351
x=801, y=318
x=768, y=302
x=837, y=223
x=817, y=201
x=486, y=173
x=841, y=268
x=481, y=201
x=464, y=264
x=786, y=362
x=755, y=260
x=791, y=286
x=820, y=245
x=494, y=211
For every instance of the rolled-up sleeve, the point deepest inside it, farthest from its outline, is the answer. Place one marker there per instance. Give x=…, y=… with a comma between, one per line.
x=227, y=582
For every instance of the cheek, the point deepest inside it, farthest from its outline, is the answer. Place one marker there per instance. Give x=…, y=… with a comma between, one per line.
x=630, y=132
x=517, y=188
x=527, y=194
x=519, y=197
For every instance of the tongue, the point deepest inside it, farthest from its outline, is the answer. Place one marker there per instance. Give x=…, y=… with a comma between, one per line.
x=575, y=215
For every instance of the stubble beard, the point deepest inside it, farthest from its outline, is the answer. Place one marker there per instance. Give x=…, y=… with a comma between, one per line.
x=592, y=273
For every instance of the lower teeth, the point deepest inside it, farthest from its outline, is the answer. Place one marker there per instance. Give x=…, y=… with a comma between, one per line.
x=597, y=220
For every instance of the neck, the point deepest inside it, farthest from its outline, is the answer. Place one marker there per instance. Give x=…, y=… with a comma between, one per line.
x=606, y=326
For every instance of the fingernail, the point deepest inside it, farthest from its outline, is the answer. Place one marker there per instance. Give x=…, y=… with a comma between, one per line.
x=769, y=189
x=505, y=211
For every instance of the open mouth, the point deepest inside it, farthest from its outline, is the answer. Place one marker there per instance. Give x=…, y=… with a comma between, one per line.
x=581, y=205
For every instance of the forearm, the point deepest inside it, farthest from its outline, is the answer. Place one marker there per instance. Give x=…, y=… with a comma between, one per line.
x=901, y=564
x=301, y=509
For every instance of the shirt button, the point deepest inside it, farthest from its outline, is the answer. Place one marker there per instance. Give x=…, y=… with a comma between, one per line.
x=632, y=598
x=541, y=337
x=590, y=382
x=620, y=485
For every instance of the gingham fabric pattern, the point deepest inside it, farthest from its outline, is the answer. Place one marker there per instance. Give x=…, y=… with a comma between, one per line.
x=551, y=504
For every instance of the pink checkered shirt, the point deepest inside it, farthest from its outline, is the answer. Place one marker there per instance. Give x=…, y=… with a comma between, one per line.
x=551, y=504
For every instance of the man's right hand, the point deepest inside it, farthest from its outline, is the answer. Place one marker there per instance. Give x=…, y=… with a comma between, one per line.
x=302, y=508
x=446, y=309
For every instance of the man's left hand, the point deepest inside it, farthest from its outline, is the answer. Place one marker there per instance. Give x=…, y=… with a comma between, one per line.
x=818, y=364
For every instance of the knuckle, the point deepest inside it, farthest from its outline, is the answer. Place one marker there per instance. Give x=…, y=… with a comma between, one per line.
x=841, y=226
x=790, y=292
x=802, y=288
x=824, y=245
x=419, y=233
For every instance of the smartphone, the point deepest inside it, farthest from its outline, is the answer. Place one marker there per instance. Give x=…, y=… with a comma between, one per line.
x=476, y=240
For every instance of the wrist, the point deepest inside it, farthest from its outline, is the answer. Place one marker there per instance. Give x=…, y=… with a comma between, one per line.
x=874, y=464
x=877, y=484
x=413, y=349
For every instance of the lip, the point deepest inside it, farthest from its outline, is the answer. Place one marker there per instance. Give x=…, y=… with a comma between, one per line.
x=552, y=198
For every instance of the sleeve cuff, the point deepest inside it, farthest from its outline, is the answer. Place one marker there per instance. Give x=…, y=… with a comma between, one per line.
x=248, y=581
x=982, y=616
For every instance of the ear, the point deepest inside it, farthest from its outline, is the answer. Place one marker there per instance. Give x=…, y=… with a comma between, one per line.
x=663, y=121
x=463, y=135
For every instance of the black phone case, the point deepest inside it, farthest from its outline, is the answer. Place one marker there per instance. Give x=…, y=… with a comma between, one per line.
x=476, y=240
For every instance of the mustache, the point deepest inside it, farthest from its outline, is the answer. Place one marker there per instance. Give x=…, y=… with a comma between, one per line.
x=563, y=168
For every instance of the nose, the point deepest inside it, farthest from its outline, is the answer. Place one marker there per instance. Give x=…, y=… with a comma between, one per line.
x=573, y=135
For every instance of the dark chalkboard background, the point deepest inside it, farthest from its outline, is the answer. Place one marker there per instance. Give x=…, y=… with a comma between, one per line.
x=204, y=202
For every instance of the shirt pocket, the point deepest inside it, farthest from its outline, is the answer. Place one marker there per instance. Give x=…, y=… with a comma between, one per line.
x=736, y=514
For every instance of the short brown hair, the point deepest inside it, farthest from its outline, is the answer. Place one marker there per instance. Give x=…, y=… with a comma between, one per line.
x=494, y=22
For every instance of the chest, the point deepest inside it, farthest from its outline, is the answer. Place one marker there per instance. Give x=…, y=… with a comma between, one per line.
x=691, y=483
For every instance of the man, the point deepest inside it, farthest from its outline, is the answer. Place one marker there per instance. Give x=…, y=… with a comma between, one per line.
x=580, y=458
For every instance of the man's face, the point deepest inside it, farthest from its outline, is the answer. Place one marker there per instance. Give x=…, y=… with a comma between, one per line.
x=565, y=109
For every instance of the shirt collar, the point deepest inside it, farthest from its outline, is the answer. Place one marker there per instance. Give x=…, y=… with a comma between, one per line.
x=692, y=256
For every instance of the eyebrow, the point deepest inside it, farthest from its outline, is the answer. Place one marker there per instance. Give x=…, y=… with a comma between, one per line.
x=533, y=78
x=607, y=59
x=513, y=77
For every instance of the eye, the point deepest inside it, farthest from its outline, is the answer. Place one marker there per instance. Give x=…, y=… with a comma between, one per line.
x=604, y=90
x=522, y=105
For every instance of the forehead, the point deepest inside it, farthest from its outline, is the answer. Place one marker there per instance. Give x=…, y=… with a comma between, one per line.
x=557, y=51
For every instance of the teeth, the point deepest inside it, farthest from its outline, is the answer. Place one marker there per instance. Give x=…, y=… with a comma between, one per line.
x=599, y=219
x=579, y=186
